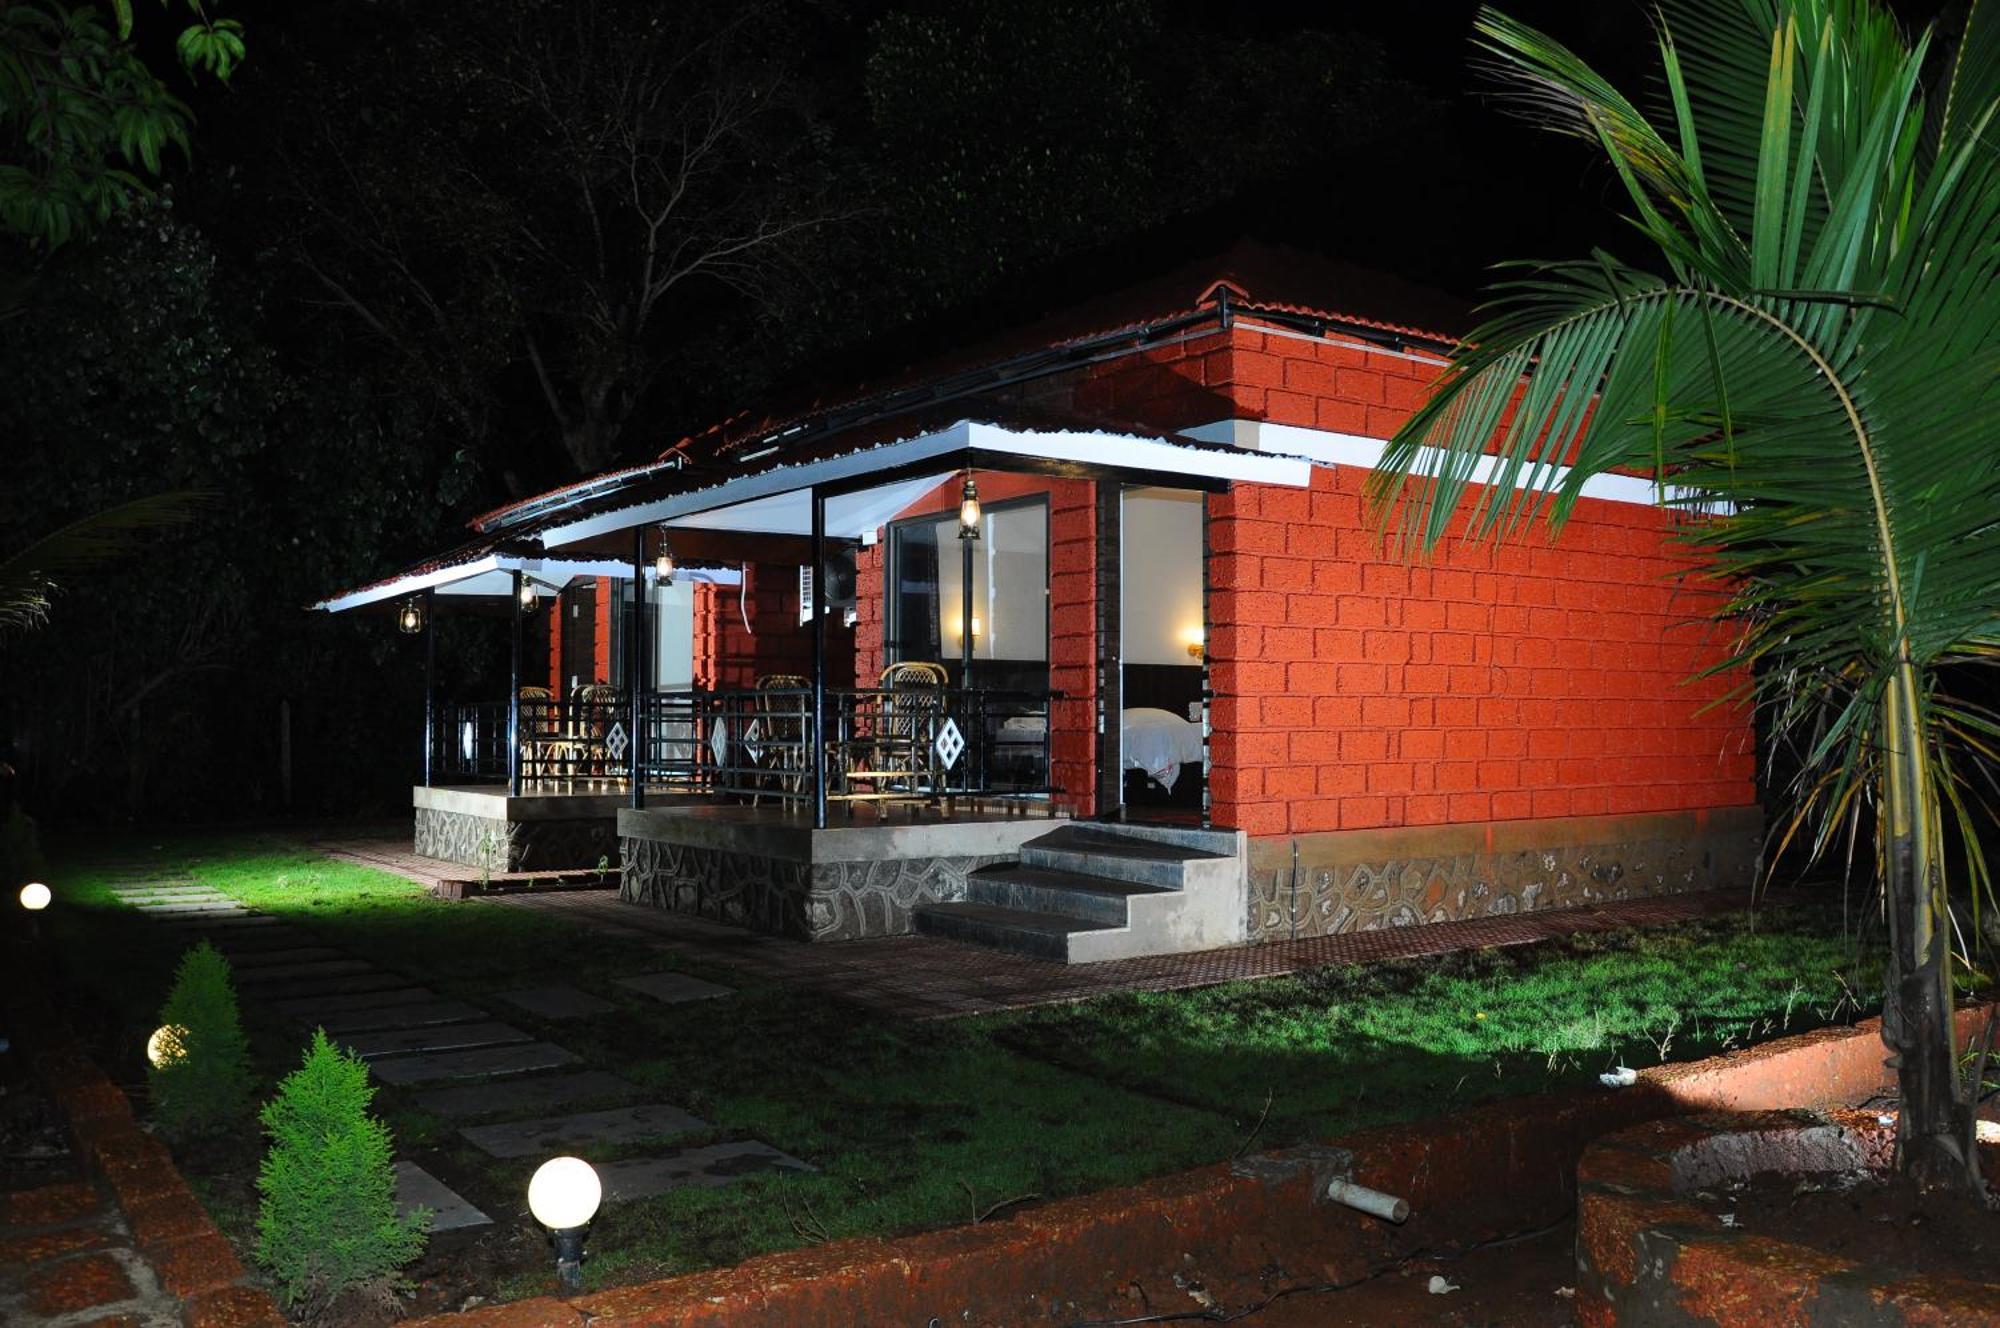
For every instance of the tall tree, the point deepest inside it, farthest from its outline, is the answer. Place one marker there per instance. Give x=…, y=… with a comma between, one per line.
x=1815, y=365
x=538, y=207
x=85, y=123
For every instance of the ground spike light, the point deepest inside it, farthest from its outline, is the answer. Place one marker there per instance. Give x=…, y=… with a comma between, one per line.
x=563, y=1195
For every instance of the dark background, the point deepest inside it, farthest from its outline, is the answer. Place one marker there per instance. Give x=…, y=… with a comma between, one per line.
x=332, y=318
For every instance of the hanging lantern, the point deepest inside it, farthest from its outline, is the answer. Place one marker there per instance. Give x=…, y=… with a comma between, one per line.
x=410, y=617
x=529, y=596
x=663, y=561
x=968, y=509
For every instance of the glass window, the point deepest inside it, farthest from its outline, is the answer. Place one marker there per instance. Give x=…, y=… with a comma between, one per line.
x=1010, y=580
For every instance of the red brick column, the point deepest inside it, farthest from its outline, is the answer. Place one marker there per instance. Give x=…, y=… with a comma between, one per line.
x=1073, y=645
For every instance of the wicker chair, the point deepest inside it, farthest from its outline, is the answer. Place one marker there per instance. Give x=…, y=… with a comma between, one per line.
x=906, y=717
x=589, y=728
x=781, y=731
x=541, y=737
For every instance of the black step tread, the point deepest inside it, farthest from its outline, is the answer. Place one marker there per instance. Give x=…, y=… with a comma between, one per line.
x=1049, y=878
x=1076, y=839
x=1014, y=919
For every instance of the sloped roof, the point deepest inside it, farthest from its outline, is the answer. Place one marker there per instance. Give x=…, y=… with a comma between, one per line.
x=1247, y=279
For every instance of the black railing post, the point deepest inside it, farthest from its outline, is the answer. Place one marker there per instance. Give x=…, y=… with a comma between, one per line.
x=430, y=683
x=817, y=735
x=635, y=657
x=514, y=700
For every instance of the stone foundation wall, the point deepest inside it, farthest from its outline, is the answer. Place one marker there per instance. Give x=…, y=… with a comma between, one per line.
x=826, y=901
x=1364, y=880
x=491, y=844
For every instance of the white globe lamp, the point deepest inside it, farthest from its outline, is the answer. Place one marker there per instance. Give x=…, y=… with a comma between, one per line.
x=35, y=896
x=563, y=1195
x=167, y=1045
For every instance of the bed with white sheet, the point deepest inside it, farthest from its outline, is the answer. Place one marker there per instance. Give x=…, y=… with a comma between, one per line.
x=1157, y=743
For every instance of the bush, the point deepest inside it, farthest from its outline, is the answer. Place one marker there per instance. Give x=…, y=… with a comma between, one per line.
x=202, y=1085
x=328, y=1219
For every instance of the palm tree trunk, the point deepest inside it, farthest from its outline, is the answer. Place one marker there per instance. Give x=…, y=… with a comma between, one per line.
x=1933, y=1134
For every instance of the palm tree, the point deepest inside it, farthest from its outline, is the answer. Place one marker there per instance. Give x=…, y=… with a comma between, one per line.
x=1809, y=374
x=30, y=576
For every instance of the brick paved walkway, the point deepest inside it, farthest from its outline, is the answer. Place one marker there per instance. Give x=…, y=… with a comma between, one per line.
x=926, y=978
x=929, y=978
x=67, y=1257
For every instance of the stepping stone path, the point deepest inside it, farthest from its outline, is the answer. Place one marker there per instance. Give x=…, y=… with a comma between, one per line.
x=539, y=1093
x=674, y=987
x=565, y=1134
x=417, y=1188
x=414, y=1039
x=557, y=1002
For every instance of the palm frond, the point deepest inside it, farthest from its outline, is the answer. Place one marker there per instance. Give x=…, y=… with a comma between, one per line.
x=29, y=577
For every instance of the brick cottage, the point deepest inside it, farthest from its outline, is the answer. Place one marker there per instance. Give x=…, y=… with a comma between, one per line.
x=1088, y=643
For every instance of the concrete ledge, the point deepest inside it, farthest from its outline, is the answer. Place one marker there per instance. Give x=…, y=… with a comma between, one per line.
x=496, y=804
x=1496, y=1170
x=776, y=833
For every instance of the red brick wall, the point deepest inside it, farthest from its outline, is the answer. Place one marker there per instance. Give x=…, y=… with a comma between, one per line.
x=1356, y=688
x=726, y=655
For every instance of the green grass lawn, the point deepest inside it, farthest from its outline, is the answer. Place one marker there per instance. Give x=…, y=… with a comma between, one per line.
x=922, y=1125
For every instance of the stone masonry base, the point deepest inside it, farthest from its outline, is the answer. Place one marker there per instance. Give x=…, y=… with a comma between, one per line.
x=813, y=901
x=1365, y=879
x=493, y=844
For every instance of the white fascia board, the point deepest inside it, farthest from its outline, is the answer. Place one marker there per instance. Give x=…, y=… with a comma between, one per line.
x=492, y=575
x=1125, y=451
x=1329, y=448
x=408, y=585
x=767, y=501
x=765, y=484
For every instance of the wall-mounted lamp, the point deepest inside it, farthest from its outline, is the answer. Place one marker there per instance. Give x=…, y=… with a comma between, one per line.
x=1195, y=646
x=957, y=627
x=663, y=561
x=563, y=1195
x=410, y=617
x=529, y=596
x=35, y=896
x=968, y=509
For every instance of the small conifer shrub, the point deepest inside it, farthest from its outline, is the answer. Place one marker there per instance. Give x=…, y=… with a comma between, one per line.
x=201, y=1086
x=327, y=1221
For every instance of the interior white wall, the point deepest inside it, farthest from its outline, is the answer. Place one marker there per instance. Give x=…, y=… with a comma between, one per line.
x=673, y=641
x=1160, y=587
x=1010, y=580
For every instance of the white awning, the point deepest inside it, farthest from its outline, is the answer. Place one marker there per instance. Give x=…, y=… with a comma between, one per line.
x=492, y=575
x=778, y=500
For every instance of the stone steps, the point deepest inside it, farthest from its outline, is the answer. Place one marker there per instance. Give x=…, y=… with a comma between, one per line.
x=1082, y=894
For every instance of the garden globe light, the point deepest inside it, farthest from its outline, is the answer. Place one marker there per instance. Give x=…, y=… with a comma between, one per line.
x=35, y=896
x=563, y=1196
x=168, y=1043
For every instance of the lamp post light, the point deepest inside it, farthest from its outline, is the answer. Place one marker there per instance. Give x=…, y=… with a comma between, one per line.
x=35, y=896
x=663, y=561
x=563, y=1195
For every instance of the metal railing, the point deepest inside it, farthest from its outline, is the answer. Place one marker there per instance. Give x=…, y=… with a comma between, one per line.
x=881, y=744
x=578, y=738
